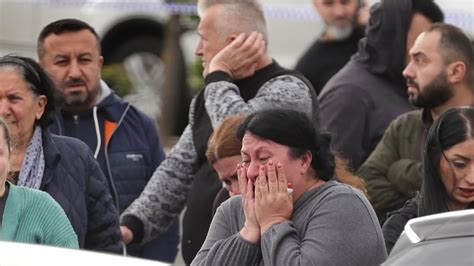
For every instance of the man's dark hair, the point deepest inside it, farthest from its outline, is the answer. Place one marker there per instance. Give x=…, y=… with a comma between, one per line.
x=295, y=130
x=429, y=9
x=61, y=26
x=454, y=45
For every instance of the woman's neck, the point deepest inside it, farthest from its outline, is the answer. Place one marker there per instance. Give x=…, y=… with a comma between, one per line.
x=456, y=205
x=18, y=154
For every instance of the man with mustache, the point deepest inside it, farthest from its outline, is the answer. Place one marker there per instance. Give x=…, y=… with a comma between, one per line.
x=336, y=44
x=124, y=140
x=439, y=77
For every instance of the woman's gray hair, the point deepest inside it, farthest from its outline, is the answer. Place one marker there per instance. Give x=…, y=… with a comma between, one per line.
x=240, y=15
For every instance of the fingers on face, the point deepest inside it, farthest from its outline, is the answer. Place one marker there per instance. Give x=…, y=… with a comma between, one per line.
x=253, y=45
x=272, y=177
x=242, y=178
x=250, y=41
x=240, y=39
x=261, y=187
x=282, y=182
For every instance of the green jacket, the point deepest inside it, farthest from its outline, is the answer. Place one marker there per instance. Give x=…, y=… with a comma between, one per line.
x=393, y=170
x=32, y=216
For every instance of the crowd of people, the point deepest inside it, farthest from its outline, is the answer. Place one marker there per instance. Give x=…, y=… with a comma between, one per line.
x=324, y=164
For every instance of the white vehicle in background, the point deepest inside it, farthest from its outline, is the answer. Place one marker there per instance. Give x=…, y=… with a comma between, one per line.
x=136, y=32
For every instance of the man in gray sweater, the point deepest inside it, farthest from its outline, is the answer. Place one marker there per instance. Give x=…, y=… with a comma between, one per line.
x=240, y=77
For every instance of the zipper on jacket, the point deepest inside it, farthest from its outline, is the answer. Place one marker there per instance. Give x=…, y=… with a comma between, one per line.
x=106, y=154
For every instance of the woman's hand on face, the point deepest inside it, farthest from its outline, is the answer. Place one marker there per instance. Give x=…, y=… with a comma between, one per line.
x=273, y=204
x=251, y=229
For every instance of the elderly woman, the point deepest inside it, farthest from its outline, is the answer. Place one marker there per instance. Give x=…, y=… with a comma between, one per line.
x=62, y=167
x=28, y=215
x=321, y=222
x=448, y=181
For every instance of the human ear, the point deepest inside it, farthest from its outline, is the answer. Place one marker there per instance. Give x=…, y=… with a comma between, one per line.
x=306, y=160
x=456, y=72
x=232, y=37
x=41, y=104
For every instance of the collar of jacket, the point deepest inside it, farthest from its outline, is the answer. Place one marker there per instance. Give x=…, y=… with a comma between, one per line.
x=110, y=104
x=51, y=156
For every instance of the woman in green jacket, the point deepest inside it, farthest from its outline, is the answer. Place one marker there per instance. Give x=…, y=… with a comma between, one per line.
x=27, y=215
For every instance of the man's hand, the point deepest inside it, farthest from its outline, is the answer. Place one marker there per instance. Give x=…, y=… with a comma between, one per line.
x=239, y=58
x=127, y=234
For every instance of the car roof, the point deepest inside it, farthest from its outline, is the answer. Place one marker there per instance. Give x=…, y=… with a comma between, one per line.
x=440, y=239
x=443, y=225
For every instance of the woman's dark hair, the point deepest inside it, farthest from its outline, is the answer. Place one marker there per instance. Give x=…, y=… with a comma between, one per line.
x=36, y=79
x=295, y=130
x=451, y=128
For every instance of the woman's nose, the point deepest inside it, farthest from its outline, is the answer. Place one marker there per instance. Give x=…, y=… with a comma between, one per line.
x=252, y=171
x=4, y=109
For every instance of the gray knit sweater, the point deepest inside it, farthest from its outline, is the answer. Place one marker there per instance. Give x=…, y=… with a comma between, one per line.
x=164, y=197
x=333, y=224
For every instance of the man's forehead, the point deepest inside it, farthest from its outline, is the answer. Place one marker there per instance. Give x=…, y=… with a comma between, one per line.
x=426, y=42
x=71, y=37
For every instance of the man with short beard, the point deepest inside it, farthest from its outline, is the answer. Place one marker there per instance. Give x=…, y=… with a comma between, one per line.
x=438, y=78
x=124, y=140
x=336, y=44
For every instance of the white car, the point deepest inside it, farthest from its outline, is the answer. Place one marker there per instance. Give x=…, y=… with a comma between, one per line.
x=440, y=239
x=19, y=254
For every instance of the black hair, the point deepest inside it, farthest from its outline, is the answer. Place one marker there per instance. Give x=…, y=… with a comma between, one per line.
x=452, y=127
x=36, y=79
x=61, y=26
x=429, y=9
x=295, y=130
x=454, y=45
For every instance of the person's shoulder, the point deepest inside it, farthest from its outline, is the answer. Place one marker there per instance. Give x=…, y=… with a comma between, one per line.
x=231, y=204
x=408, y=120
x=73, y=144
x=335, y=188
x=139, y=114
x=73, y=152
x=411, y=116
x=31, y=196
x=347, y=81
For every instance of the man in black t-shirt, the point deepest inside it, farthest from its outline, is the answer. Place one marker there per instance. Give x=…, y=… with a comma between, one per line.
x=338, y=41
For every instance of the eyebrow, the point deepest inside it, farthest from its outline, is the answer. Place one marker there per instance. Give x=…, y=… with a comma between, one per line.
x=461, y=156
x=418, y=55
x=257, y=151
